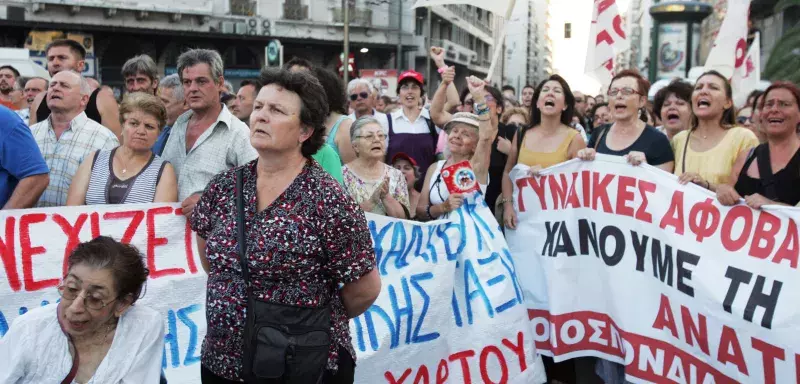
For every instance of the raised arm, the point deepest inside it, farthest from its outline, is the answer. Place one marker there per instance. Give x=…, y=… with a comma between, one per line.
x=487, y=131
x=439, y=114
x=437, y=54
x=109, y=112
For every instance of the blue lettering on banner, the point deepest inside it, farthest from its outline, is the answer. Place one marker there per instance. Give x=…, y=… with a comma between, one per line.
x=400, y=313
x=171, y=344
x=478, y=292
x=394, y=247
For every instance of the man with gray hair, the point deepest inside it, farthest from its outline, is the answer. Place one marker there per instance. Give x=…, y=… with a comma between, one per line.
x=207, y=139
x=140, y=74
x=68, y=137
x=362, y=94
x=170, y=91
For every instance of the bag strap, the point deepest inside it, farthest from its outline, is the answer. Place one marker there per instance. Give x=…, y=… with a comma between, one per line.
x=432, y=130
x=76, y=361
x=389, y=121
x=240, y=226
x=765, y=172
x=602, y=134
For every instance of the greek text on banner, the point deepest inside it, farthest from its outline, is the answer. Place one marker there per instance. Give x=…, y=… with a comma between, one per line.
x=450, y=309
x=626, y=264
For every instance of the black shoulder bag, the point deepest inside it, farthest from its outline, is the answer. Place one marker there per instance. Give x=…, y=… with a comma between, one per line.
x=283, y=344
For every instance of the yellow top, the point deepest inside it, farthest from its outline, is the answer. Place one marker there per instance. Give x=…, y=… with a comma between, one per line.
x=715, y=164
x=546, y=159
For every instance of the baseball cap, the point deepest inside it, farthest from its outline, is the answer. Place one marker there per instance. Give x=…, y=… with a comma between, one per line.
x=404, y=156
x=411, y=74
x=467, y=118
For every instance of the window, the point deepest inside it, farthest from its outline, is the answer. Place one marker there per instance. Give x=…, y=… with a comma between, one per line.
x=567, y=30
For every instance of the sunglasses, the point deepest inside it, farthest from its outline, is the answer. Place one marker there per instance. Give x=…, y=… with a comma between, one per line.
x=742, y=120
x=362, y=95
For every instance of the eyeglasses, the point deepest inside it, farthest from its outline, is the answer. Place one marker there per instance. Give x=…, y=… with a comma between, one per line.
x=410, y=86
x=780, y=104
x=68, y=293
x=625, y=92
x=373, y=137
x=743, y=120
x=355, y=96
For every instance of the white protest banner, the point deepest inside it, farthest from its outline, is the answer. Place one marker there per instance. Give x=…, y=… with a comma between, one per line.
x=450, y=309
x=34, y=244
x=624, y=263
x=607, y=38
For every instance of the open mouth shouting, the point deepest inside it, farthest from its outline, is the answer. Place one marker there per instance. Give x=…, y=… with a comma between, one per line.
x=703, y=103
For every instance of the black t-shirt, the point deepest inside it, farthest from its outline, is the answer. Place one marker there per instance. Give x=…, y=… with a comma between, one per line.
x=652, y=143
x=497, y=164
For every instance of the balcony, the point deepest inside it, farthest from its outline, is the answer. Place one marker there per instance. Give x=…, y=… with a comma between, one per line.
x=358, y=16
x=470, y=16
x=457, y=53
x=243, y=7
x=295, y=11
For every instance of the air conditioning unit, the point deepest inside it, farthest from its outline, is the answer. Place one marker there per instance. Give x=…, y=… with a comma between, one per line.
x=241, y=28
x=252, y=27
x=227, y=27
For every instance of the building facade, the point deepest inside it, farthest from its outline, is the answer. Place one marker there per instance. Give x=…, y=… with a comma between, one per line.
x=468, y=35
x=528, y=51
x=240, y=30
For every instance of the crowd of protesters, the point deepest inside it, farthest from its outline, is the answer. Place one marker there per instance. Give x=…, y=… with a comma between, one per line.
x=297, y=156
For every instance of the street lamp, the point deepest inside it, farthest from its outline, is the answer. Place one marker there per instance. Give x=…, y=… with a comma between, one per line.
x=364, y=50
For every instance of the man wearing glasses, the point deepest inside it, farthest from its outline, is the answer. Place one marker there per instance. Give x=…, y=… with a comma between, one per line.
x=362, y=95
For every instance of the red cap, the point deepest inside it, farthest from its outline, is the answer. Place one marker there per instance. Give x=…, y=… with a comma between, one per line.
x=411, y=74
x=404, y=156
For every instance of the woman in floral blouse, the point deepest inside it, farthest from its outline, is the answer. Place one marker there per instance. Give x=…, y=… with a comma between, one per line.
x=305, y=237
x=373, y=184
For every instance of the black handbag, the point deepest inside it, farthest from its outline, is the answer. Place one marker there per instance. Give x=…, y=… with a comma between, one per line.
x=283, y=344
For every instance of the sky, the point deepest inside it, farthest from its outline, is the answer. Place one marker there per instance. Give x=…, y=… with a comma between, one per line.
x=569, y=55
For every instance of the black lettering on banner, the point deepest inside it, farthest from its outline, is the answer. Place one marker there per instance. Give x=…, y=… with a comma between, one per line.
x=551, y=237
x=587, y=235
x=757, y=296
x=619, y=245
x=759, y=299
x=640, y=248
x=684, y=274
x=662, y=263
x=564, y=243
x=737, y=277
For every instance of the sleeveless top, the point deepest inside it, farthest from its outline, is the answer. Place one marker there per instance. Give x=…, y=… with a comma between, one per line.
x=438, y=192
x=780, y=186
x=106, y=188
x=331, y=140
x=546, y=159
x=91, y=109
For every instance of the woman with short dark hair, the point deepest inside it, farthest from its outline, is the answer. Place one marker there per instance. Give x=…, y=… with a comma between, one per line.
x=130, y=173
x=307, y=251
x=95, y=334
x=673, y=105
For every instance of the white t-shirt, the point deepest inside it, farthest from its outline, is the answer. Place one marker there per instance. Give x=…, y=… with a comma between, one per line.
x=36, y=350
x=402, y=124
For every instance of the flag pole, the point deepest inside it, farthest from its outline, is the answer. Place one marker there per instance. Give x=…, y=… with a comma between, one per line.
x=499, y=48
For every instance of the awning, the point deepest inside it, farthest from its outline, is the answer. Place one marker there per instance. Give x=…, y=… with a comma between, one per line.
x=19, y=58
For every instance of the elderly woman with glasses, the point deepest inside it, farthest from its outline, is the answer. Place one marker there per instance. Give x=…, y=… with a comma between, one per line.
x=376, y=186
x=95, y=334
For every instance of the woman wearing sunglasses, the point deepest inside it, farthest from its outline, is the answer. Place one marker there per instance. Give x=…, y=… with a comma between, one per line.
x=705, y=153
x=95, y=334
